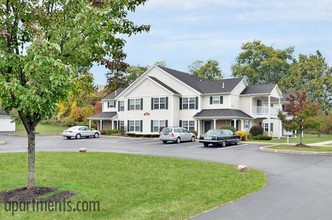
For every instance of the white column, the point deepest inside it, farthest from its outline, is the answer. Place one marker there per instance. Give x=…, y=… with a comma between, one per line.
x=112, y=124
x=234, y=121
x=198, y=127
x=280, y=125
x=89, y=123
x=250, y=105
x=269, y=116
x=101, y=125
x=215, y=123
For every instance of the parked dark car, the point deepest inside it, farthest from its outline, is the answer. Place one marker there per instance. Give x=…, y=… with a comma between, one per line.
x=219, y=137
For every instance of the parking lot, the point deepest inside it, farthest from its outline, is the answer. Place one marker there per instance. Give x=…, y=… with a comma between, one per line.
x=298, y=186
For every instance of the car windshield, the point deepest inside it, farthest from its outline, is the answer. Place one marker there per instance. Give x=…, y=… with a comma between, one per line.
x=213, y=132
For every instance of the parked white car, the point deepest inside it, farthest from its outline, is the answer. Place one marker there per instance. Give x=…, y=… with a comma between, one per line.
x=176, y=134
x=80, y=131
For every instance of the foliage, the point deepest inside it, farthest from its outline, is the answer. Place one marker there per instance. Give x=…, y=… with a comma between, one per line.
x=301, y=111
x=256, y=130
x=133, y=72
x=313, y=75
x=110, y=132
x=45, y=44
x=262, y=64
x=262, y=137
x=242, y=134
x=229, y=127
x=209, y=70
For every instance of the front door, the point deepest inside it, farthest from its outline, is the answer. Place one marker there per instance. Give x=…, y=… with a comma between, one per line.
x=207, y=125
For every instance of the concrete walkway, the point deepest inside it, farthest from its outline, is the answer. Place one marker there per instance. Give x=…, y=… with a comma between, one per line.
x=321, y=143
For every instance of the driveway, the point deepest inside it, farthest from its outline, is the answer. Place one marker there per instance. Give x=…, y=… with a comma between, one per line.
x=298, y=186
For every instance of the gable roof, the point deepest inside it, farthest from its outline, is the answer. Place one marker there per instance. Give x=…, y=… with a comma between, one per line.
x=204, y=85
x=163, y=85
x=258, y=89
x=222, y=113
x=114, y=94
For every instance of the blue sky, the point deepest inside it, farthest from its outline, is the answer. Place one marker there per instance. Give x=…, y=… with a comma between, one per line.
x=183, y=31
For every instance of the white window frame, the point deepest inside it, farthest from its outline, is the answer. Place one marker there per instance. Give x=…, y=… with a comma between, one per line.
x=134, y=126
x=189, y=103
x=157, y=124
x=111, y=104
x=215, y=100
x=121, y=124
x=190, y=125
x=134, y=104
x=121, y=106
x=246, y=124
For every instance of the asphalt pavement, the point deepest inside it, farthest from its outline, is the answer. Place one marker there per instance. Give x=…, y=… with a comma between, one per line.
x=298, y=186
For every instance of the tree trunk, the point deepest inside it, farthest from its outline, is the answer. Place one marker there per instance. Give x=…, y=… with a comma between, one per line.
x=31, y=159
x=301, y=137
x=30, y=127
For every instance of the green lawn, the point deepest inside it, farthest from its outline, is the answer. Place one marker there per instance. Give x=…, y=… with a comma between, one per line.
x=130, y=186
x=308, y=149
x=308, y=139
x=45, y=129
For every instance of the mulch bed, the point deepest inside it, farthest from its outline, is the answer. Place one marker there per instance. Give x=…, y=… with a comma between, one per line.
x=37, y=194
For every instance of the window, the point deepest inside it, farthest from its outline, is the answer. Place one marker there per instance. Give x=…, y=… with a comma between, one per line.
x=121, y=125
x=246, y=124
x=189, y=125
x=188, y=103
x=135, y=125
x=111, y=104
x=121, y=106
x=157, y=125
x=266, y=127
x=135, y=104
x=215, y=100
x=159, y=103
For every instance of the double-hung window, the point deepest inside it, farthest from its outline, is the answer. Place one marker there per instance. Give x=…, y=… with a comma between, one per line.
x=121, y=106
x=189, y=125
x=157, y=125
x=135, y=125
x=159, y=103
x=189, y=103
x=215, y=100
x=135, y=104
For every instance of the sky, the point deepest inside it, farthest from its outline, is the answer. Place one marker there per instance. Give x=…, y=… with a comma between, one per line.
x=183, y=31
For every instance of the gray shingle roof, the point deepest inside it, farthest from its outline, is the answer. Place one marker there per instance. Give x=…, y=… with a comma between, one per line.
x=114, y=94
x=163, y=85
x=204, y=85
x=221, y=113
x=258, y=89
x=104, y=116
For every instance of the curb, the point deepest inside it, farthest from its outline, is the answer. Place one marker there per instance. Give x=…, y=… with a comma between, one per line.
x=2, y=142
x=266, y=149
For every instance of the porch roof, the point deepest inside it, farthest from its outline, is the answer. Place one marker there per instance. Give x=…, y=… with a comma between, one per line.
x=222, y=114
x=104, y=116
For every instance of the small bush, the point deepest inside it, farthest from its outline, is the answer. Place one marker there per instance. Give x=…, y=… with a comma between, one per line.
x=261, y=137
x=242, y=134
x=256, y=130
x=229, y=127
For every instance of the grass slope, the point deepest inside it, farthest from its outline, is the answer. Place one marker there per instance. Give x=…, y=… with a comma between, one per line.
x=130, y=186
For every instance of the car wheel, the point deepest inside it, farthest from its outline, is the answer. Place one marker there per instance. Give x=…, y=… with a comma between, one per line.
x=78, y=136
x=223, y=144
x=206, y=144
x=68, y=138
x=178, y=140
x=192, y=139
x=96, y=135
x=164, y=142
x=237, y=141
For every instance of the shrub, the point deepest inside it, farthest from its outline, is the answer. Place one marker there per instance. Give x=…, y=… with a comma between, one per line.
x=229, y=127
x=261, y=137
x=242, y=134
x=256, y=130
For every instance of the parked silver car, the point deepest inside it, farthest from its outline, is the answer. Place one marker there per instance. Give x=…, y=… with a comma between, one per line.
x=80, y=131
x=176, y=134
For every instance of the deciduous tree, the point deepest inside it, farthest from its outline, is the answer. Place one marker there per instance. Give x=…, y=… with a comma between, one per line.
x=209, y=70
x=301, y=111
x=44, y=44
x=262, y=64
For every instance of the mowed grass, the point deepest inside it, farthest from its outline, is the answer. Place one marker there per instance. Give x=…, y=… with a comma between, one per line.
x=303, y=149
x=308, y=139
x=130, y=186
x=44, y=129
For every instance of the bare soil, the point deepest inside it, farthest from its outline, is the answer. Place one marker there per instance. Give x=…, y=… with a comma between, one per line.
x=37, y=194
